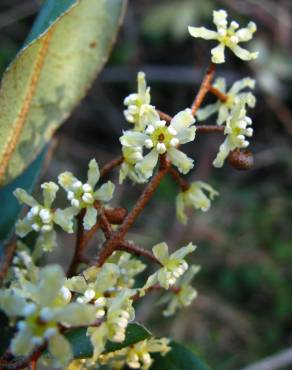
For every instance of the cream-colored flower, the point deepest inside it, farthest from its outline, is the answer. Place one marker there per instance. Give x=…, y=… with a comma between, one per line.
x=234, y=95
x=227, y=36
x=185, y=293
x=83, y=195
x=139, y=111
x=137, y=356
x=174, y=266
x=160, y=138
x=194, y=197
x=236, y=131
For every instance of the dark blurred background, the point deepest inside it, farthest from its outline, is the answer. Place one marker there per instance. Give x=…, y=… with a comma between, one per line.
x=244, y=308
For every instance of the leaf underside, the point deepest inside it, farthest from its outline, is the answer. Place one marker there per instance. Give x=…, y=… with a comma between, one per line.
x=69, y=44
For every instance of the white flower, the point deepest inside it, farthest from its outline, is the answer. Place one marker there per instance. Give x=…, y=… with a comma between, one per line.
x=136, y=356
x=194, y=197
x=227, y=36
x=174, y=266
x=41, y=217
x=139, y=111
x=236, y=131
x=83, y=195
x=42, y=306
x=160, y=139
x=185, y=294
x=234, y=95
x=131, y=156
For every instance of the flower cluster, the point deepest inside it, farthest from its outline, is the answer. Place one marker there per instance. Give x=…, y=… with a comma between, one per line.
x=137, y=356
x=44, y=304
x=227, y=36
x=173, y=266
x=161, y=138
x=236, y=131
x=194, y=197
x=233, y=96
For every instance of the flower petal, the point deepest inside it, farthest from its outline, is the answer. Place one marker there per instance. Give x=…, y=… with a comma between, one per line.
x=182, y=120
x=180, y=209
x=93, y=173
x=160, y=251
x=146, y=166
x=76, y=314
x=243, y=53
x=242, y=84
x=23, y=227
x=186, y=135
x=65, y=218
x=133, y=138
x=223, y=114
x=220, y=18
x=224, y=150
x=218, y=54
x=49, y=193
x=207, y=111
x=90, y=218
x=203, y=33
x=105, y=192
x=60, y=348
x=180, y=160
x=24, y=197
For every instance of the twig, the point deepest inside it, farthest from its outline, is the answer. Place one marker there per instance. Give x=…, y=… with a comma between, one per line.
x=277, y=361
x=204, y=88
x=164, y=116
x=79, y=245
x=111, y=245
x=111, y=165
x=219, y=94
x=184, y=185
x=138, y=251
x=209, y=128
x=9, y=252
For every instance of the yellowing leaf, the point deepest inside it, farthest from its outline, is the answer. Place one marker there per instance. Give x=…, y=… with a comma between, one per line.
x=51, y=74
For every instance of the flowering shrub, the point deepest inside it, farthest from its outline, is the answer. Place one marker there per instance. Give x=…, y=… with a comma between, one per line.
x=45, y=304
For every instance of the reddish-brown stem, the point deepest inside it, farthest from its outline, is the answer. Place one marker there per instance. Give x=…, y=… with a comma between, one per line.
x=111, y=165
x=209, y=128
x=173, y=289
x=164, y=116
x=220, y=95
x=112, y=244
x=79, y=245
x=105, y=225
x=204, y=88
x=184, y=185
x=137, y=251
x=9, y=253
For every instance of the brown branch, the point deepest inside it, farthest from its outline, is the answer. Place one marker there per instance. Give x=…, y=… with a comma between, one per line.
x=105, y=225
x=204, y=88
x=209, y=128
x=219, y=94
x=112, y=244
x=79, y=245
x=184, y=185
x=173, y=289
x=111, y=165
x=164, y=116
x=138, y=251
x=7, y=260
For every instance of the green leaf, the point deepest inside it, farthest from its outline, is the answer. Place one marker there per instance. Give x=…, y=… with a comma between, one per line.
x=67, y=47
x=10, y=206
x=82, y=347
x=179, y=358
